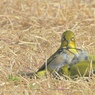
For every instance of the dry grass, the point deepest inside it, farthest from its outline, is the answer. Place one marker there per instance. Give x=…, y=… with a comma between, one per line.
x=28, y=32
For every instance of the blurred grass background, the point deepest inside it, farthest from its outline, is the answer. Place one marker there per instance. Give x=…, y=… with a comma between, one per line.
x=30, y=32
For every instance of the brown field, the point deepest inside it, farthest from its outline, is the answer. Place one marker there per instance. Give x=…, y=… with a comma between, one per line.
x=30, y=31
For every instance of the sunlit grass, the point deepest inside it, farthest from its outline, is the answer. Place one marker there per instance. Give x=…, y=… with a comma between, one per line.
x=30, y=32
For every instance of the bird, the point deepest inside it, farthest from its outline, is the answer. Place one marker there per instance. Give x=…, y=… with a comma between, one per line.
x=81, y=69
x=84, y=65
x=67, y=53
x=67, y=60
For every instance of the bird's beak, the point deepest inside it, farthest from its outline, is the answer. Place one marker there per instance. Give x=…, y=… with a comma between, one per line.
x=68, y=43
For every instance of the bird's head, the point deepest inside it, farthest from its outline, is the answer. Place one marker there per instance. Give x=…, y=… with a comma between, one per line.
x=68, y=40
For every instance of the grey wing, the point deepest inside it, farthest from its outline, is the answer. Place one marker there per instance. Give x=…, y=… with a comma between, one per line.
x=50, y=59
x=83, y=56
x=75, y=59
x=58, y=62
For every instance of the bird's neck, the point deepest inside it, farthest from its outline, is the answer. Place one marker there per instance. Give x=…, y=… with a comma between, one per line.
x=71, y=48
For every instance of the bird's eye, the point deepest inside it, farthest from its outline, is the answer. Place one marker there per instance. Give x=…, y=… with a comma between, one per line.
x=72, y=39
x=63, y=38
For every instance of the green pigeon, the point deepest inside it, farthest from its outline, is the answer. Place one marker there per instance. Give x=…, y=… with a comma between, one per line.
x=66, y=54
x=83, y=63
x=81, y=69
x=67, y=57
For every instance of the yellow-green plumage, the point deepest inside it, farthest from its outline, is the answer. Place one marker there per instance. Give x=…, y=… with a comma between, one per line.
x=66, y=54
x=84, y=68
x=64, y=70
x=41, y=73
x=68, y=41
x=68, y=59
x=91, y=57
